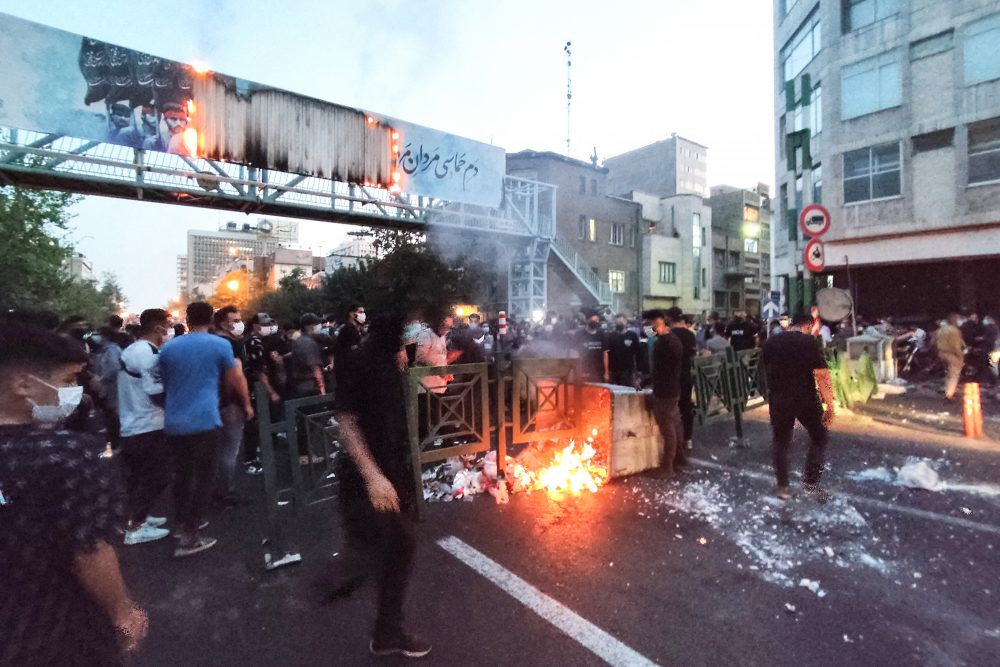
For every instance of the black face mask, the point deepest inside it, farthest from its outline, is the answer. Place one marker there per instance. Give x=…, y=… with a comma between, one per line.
x=620, y=327
x=592, y=326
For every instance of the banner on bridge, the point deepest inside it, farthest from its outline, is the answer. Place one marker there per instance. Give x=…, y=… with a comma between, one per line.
x=57, y=82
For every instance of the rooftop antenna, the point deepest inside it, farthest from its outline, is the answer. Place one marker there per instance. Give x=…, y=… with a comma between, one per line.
x=569, y=88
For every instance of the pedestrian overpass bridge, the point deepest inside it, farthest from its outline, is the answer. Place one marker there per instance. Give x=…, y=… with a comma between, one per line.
x=139, y=127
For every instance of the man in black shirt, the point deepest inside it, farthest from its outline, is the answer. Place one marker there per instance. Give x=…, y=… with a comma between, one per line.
x=741, y=332
x=680, y=326
x=592, y=349
x=668, y=357
x=62, y=597
x=377, y=497
x=623, y=353
x=348, y=342
x=795, y=367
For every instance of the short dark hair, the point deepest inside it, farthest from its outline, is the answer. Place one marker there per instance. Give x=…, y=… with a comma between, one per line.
x=653, y=314
x=222, y=313
x=308, y=320
x=674, y=315
x=151, y=318
x=31, y=346
x=116, y=322
x=199, y=314
x=720, y=328
x=801, y=320
x=354, y=306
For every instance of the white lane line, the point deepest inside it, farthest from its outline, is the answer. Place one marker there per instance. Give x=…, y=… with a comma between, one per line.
x=863, y=500
x=591, y=637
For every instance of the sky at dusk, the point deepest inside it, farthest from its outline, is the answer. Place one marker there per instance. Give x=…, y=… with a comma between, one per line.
x=487, y=70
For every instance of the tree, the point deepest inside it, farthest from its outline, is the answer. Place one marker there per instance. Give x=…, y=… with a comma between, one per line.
x=386, y=241
x=82, y=297
x=32, y=274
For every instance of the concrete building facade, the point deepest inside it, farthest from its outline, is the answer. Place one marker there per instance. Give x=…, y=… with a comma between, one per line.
x=350, y=253
x=81, y=267
x=665, y=168
x=741, y=249
x=596, y=234
x=209, y=253
x=888, y=113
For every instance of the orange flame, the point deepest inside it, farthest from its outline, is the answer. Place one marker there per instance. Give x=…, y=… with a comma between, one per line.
x=191, y=108
x=191, y=141
x=575, y=469
x=200, y=67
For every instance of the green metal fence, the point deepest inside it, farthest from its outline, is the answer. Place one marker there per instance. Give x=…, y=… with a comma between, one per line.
x=724, y=384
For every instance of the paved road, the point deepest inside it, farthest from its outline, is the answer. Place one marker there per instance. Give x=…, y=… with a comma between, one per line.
x=701, y=571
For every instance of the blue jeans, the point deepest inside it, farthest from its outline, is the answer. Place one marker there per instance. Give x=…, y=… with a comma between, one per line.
x=230, y=445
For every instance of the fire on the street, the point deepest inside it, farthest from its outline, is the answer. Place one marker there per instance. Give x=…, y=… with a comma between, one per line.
x=575, y=468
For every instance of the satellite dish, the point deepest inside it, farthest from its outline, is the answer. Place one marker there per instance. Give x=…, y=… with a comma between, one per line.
x=834, y=304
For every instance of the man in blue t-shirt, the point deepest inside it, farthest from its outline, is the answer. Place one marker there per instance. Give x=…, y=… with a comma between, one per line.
x=194, y=368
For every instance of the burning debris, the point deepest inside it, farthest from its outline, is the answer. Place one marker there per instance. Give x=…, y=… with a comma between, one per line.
x=575, y=468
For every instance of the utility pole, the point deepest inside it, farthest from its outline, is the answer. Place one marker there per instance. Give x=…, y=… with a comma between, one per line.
x=569, y=89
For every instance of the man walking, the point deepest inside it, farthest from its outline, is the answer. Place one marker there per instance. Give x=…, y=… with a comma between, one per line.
x=194, y=369
x=668, y=354
x=951, y=350
x=795, y=369
x=143, y=442
x=376, y=496
x=592, y=349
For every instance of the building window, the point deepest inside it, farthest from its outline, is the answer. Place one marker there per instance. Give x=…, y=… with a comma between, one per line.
x=798, y=193
x=787, y=6
x=932, y=141
x=617, y=234
x=719, y=299
x=583, y=228
x=984, y=151
x=816, y=110
x=616, y=279
x=859, y=13
x=593, y=186
x=631, y=237
x=872, y=173
x=871, y=85
x=734, y=300
x=719, y=258
x=704, y=236
x=734, y=260
x=817, y=183
x=668, y=273
x=704, y=277
x=751, y=214
x=982, y=43
x=592, y=230
x=750, y=245
x=802, y=47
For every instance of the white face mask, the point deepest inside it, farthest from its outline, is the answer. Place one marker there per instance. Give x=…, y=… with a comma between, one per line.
x=50, y=415
x=361, y=317
x=270, y=331
x=649, y=331
x=239, y=328
x=168, y=333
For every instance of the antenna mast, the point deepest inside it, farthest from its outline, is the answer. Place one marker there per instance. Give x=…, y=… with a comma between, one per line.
x=569, y=88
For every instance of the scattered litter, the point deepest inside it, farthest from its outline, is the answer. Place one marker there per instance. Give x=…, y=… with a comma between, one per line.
x=810, y=584
x=917, y=575
x=702, y=541
x=828, y=551
x=966, y=510
x=790, y=608
x=848, y=640
x=917, y=473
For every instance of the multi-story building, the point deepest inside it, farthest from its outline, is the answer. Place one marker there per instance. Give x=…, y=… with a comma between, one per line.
x=670, y=167
x=674, y=267
x=888, y=113
x=211, y=252
x=594, y=258
x=741, y=248
x=182, y=275
x=350, y=253
x=283, y=262
x=79, y=266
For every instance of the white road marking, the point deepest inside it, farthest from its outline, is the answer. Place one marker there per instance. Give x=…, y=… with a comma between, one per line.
x=591, y=637
x=863, y=500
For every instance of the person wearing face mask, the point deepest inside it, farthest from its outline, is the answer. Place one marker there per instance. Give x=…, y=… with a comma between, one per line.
x=259, y=366
x=143, y=441
x=592, y=350
x=668, y=355
x=306, y=367
x=63, y=598
x=229, y=325
x=349, y=338
x=680, y=326
x=623, y=353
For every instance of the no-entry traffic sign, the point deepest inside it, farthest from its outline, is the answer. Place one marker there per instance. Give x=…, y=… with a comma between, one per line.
x=815, y=256
x=814, y=220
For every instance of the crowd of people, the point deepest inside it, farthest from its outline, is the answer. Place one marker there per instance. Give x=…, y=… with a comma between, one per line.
x=174, y=404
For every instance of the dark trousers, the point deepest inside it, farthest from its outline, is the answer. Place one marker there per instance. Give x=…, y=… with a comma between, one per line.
x=668, y=418
x=147, y=471
x=784, y=412
x=195, y=462
x=381, y=547
x=686, y=406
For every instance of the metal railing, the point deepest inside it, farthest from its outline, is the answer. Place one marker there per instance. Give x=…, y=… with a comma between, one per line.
x=597, y=287
x=724, y=383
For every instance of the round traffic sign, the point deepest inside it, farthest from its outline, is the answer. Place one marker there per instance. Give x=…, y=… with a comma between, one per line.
x=814, y=220
x=815, y=256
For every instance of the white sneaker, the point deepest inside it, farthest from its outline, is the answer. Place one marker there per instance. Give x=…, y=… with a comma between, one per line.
x=145, y=533
x=155, y=521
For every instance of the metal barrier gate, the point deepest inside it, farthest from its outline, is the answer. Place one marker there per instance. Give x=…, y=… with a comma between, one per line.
x=724, y=385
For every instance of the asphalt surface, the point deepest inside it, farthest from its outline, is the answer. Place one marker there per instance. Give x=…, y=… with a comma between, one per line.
x=702, y=570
